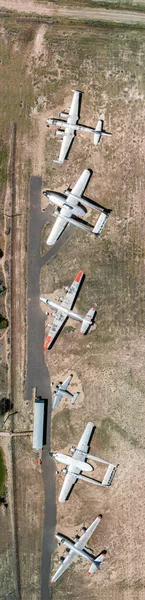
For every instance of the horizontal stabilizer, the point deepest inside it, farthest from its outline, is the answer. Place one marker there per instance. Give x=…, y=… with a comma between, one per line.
x=109, y=475
x=100, y=223
x=88, y=320
x=96, y=564
x=98, y=130
x=58, y=162
x=74, y=398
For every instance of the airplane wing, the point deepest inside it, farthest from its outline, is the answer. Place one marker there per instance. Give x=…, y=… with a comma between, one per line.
x=66, y=143
x=83, y=444
x=66, y=383
x=71, y=476
x=59, y=225
x=56, y=231
x=58, y=323
x=69, y=299
x=74, y=109
x=66, y=563
x=88, y=533
x=80, y=186
x=57, y=399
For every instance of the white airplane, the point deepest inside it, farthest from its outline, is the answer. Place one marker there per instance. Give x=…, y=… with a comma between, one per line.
x=61, y=390
x=76, y=548
x=71, y=210
x=76, y=464
x=63, y=312
x=71, y=127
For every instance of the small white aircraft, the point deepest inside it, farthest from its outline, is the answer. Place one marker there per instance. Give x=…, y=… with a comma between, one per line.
x=71, y=127
x=63, y=312
x=76, y=548
x=71, y=210
x=61, y=390
x=77, y=463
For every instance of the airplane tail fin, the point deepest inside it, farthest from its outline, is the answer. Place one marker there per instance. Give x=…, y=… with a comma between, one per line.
x=74, y=398
x=88, y=320
x=109, y=475
x=100, y=223
x=98, y=129
x=98, y=561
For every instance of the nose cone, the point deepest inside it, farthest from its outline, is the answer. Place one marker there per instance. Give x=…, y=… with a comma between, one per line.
x=43, y=300
x=46, y=193
x=49, y=121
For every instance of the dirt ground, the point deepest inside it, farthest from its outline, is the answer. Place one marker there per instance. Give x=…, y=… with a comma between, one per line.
x=108, y=364
x=81, y=10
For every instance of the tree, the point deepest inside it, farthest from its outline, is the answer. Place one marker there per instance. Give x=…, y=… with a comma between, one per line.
x=3, y=322
x=5, y=405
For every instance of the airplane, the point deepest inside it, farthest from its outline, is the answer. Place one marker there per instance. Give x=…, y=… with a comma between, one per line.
x=71, y=207
x=77, y=548
x=63, y=312
x=61, y=390
x=77, y=463
x=71, y=127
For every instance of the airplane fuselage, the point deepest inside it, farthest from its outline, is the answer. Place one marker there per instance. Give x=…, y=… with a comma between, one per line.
x=64, y=124
x=64, y=393
x=61, y=201
x=72, y=546
x=78, y=209
x=65, y=459
x=68, y=313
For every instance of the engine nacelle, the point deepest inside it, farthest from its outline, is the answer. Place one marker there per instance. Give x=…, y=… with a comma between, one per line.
x=77, y=538
x=72, y=449
x=61, y=560
x=56, y=212
x=59, y=132
x=67, y=551
x=66, y=288
x=54, y=313
x=79, y=211
x=63, y=114
x=60, y=299
x=67, y=192
x=64, y=470
x=84, y=529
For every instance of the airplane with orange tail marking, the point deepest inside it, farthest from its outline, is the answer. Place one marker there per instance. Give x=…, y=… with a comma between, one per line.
x=64, y=311
x=77, y=548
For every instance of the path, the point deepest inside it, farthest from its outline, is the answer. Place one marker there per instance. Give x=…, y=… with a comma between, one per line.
x=93, y=14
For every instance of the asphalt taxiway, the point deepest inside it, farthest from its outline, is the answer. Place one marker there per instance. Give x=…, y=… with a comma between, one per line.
x=37, y=375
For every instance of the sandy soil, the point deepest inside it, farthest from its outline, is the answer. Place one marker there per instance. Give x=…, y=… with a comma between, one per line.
x=108, y=364
x=85, y=14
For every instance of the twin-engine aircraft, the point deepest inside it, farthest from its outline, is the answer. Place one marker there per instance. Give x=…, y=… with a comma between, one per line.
x=61, y=390
x=71, y=210
x=63, y=312
x=77, y=548
x=71, y=127
x=77, y=463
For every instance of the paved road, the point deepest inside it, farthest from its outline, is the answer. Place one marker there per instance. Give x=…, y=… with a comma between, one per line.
x=93, y=14
x=37, y=373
